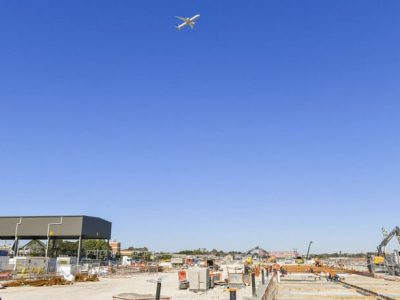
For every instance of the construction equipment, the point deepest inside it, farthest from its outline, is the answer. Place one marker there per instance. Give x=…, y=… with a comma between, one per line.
x=249, y=260
x=386, y=240
x=299, y=260
x=384, y=261
x=257, y=252
x=391, y=260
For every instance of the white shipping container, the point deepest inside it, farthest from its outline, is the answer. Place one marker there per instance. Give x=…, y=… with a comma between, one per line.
x=198, y=279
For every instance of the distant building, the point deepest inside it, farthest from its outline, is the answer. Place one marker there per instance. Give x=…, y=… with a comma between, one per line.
x=228, y=257
x=115, y=247
x=283, y=254
x=177, y=261
x=33, y=248
x=136, y=253
x=126, y=252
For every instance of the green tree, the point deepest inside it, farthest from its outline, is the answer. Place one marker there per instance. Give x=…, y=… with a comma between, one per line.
x=93, y=245
x=68, y=248
x=194, y=252
x=165, y=256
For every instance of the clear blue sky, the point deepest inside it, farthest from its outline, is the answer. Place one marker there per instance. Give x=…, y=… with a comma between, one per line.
x=272, y=123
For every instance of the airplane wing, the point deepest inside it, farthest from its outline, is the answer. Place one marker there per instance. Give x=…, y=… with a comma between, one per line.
x=181, y=18
x=179, y=27
x=191, y=25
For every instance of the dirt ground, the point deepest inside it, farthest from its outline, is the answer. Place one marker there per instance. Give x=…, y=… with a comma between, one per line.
x=106, y=288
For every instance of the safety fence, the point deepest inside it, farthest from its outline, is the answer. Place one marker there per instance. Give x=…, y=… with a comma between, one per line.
x=269, y=291
x=131, y=270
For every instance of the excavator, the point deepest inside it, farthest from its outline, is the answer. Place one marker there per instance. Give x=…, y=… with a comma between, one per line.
x=387, y=262
x=300, y=259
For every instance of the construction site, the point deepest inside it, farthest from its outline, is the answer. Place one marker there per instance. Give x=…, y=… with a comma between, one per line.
x=140, y=274
x=199, y=150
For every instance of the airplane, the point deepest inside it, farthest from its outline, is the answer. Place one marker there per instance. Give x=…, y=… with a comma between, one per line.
x=187, y=21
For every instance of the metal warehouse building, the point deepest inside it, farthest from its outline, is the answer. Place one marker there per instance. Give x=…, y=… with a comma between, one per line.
x=54, y=227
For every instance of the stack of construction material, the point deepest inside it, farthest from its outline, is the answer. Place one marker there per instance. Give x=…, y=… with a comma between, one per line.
x=5, y=275
x=86, y=277
x=56, y=280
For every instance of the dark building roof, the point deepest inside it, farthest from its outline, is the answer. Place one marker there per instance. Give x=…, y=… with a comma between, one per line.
x=59, y=227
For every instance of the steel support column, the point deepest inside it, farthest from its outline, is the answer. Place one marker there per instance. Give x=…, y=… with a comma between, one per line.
x=79, y=249
x=16, y=242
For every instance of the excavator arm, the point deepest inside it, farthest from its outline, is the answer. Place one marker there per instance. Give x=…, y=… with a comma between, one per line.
x=387, y=239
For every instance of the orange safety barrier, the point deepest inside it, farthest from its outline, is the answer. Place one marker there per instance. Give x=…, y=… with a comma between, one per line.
x=182, y=275
x=257, y=271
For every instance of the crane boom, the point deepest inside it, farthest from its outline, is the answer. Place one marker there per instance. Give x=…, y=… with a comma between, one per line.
x=308, y=251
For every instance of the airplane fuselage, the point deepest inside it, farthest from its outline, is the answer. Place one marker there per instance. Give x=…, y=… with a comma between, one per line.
x=188, y=21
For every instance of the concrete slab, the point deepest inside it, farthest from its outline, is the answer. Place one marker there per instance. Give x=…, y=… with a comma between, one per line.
x=309, y=286
x=378, y=285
